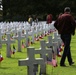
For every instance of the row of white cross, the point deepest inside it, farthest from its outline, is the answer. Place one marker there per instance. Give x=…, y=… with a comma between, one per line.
x=52, y=44
x=17, y=27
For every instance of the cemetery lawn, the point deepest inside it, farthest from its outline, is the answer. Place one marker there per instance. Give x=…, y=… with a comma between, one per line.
x=9, y=66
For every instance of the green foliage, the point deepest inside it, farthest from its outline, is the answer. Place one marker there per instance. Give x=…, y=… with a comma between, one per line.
x=35, y=7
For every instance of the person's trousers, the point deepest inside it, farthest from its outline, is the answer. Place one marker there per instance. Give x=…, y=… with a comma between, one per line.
x=66, y=38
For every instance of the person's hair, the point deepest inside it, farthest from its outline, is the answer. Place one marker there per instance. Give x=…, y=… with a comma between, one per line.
x=67, y=9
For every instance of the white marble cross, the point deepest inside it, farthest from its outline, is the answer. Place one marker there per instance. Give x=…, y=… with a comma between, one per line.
x=26, y=38
x=30, y=61
x=8, y=42
x=19, y=37
x=43, y=51
x=52, y=44
x=49, y=44
x=56, y=38
x=33, y=35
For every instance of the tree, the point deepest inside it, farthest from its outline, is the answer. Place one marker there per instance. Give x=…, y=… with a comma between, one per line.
x=23, y=8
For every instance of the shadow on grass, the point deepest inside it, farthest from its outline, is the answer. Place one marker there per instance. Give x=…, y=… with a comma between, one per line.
x=15, y=58
x=23, y=51
x=4, y=67
x=73, y=66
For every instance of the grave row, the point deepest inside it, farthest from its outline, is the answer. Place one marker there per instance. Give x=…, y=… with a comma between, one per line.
x=31, y=62
x=17, y=26
x=48, y=48
x=19, y=36
x=8, y=42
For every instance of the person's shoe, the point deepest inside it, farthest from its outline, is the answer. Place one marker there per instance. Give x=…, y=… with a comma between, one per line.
x=63, y=65
x=71, y=63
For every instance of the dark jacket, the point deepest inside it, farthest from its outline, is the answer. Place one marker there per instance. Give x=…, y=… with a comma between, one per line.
x=65, y=24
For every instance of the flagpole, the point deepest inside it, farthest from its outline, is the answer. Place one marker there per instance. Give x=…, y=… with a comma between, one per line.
x=0, y=61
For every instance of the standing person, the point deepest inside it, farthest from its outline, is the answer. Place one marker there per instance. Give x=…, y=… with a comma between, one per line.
x=49, y=21
x=65, y=24
x=30, y=20
x=36, y=20
x=49, y=18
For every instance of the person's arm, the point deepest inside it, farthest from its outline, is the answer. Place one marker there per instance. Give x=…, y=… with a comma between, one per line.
x=55, y=24
x=73, y=23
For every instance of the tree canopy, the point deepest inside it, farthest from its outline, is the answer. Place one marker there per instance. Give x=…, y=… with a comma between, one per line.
x=20, y=9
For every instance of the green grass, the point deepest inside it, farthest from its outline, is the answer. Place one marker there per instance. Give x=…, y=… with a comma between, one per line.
x=9, y=66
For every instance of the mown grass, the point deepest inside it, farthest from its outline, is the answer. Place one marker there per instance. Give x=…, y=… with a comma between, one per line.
x=9, y=66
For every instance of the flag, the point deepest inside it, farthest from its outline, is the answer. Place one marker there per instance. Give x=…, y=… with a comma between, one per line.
x=41, y=37
x=23, y=46
x=63, y=44
x=37, y=38
x=14, y=49
x=58, y=53
x=48, y=60
x=1, y=57
x=45, y=34
x=60, y=48
x=52, y=61
x=32, y=42
x=11, y=51
x=53, y=54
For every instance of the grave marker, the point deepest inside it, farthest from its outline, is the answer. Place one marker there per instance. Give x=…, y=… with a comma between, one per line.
x=8, y=42
x=52, y=44
x=19, y=37
x=43, y=51
x=27, y=38
x=57, y=38
x=33, y=36
x=30, y=61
